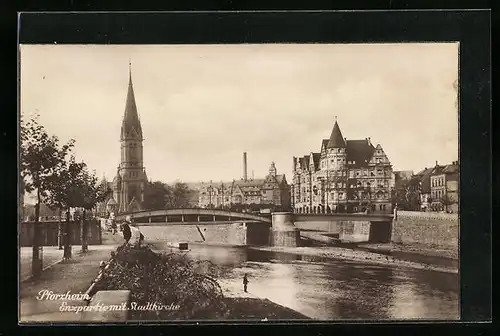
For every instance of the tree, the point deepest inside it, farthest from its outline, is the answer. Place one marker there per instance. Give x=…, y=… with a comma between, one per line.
x=177, y=196
x=41, y=157
x=155, y=196
x=67, y=185
x=406, y=195
x=446, y=201
x=93, y=193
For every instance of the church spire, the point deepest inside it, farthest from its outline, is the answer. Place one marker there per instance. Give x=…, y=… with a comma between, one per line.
x=336, y=139
x=130, y=118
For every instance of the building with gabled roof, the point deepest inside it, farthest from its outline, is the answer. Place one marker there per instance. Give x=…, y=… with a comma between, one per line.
x=444, y=189
x=346, y=175
x=272, y=191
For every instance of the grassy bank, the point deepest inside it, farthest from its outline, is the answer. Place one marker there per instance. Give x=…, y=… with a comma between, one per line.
x=188, y=288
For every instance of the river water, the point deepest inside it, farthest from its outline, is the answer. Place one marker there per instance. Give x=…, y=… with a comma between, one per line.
x=331, y=290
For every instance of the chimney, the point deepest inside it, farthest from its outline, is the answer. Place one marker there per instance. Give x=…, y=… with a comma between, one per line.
x=245, y=177
x=436, y=163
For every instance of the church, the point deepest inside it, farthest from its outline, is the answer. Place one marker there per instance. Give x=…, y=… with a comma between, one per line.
x=130, y=181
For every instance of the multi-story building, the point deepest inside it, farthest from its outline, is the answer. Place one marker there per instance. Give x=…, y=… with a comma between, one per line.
x=420, y=183
x=444, y=188
x=346, y=175
x=272, y=191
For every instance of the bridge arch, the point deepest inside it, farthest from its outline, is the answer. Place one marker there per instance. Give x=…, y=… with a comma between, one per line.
x=230, y=215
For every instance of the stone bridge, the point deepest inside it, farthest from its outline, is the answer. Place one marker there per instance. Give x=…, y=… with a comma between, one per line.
x=191, y=216
x=375, y=227
x=235, y=228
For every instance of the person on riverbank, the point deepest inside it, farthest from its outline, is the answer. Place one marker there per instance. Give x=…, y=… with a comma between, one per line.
x=113, y=227
x=127, y=233
x=245, y=283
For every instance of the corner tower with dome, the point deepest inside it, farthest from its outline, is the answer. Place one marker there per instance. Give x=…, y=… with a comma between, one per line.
x=130, y=179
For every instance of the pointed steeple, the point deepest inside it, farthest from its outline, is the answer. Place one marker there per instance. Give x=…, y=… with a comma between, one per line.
x=130, y=118
x=336, y=138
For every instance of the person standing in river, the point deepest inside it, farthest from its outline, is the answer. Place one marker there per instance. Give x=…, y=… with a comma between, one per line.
x=245, y=282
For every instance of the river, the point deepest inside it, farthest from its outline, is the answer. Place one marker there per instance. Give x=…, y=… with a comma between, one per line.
x=332, y=290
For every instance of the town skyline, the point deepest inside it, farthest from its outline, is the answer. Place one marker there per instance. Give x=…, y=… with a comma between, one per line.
x=272, y=101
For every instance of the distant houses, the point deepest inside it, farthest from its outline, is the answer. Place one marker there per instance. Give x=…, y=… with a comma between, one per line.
x=435, y=188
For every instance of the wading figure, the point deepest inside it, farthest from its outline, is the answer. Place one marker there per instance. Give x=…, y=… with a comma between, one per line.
x=245, y=283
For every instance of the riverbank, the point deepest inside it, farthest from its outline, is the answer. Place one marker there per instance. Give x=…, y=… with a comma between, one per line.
x=425, y=250
x=339, y=253
x=250, y=309
x=194, y=286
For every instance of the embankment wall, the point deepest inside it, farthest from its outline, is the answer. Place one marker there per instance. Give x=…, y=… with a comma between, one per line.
x=428, y=228
x=49, y=233
x=224, y=234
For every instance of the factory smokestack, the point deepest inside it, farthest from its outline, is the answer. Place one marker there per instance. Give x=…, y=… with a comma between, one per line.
x=245, y=177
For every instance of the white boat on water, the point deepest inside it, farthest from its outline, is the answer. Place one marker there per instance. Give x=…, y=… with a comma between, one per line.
x=177, y=245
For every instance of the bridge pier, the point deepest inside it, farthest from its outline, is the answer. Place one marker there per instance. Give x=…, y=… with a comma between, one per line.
x=283, y=231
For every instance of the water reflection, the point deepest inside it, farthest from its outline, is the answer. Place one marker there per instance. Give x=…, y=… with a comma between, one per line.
x=328, y=289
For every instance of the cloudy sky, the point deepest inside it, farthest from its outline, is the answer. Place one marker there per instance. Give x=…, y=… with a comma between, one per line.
x=202, y=106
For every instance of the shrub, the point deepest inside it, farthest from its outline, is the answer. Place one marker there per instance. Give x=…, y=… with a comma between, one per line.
x=167, y=279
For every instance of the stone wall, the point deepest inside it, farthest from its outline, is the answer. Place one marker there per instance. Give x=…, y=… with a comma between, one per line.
x=354, y=231
x=49, y=232
x=427, y=228
x=223, y=234
x=258, y=234
x=170, y=233
x=330, y=226
x=232, y=234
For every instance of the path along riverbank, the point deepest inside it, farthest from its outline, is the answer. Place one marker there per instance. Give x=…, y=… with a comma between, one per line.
x=340, y=253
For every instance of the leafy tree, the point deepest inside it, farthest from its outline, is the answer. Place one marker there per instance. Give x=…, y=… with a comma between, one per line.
x=67, y=186
x=155, y=196
x=406, y=195
x=177, y=196
x=41, y=157
x=446, y=201
x=158, y=195
x=93, y=193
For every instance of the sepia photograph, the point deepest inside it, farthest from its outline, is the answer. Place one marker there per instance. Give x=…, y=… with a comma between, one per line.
x=226, y=182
